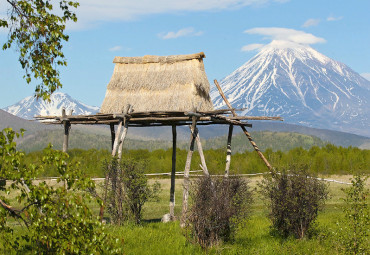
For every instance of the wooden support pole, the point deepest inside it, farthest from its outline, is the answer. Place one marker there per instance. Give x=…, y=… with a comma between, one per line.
x=122, y=139
x=67, y=127
x=186, y=174
x=124, y=132
x=228, y=151
x=118, y=132
x=112, y=133
x=200, y=150
x=173, y=174
x=244, y=129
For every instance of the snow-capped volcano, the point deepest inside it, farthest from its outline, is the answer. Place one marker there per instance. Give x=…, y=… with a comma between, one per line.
x=29, y=107
x=302, y=85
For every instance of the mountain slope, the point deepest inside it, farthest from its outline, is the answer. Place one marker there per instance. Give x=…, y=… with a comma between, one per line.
x=29, y=107
x=303, y=86
x=39, y=135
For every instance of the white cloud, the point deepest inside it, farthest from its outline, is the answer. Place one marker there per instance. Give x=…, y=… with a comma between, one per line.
x=333, y=18
x=252, y=47
x=366, y=76
x=311, y=23
x=92, y=11
x=116, y=48
x=286, y=34
x=189, y=31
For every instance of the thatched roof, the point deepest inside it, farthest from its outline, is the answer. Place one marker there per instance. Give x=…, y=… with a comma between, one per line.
x=158, y=83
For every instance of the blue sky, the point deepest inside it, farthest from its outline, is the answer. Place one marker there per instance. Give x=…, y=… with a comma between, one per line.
x=228, y=31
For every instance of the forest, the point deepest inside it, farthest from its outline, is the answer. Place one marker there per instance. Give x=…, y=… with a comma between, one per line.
x=328, y=159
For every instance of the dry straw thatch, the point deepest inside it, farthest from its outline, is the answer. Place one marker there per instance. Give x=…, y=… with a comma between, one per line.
x=156, y=83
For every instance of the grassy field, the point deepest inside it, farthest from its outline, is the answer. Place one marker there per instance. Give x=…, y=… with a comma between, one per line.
x=253, y=236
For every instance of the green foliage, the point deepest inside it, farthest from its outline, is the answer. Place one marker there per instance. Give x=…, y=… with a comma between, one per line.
x=136, y=188
x=127, y=190
x=326, y=160
x=57, y=217
x=294, y=199
x=218, y=205
x=355, y=229
x=37, y=31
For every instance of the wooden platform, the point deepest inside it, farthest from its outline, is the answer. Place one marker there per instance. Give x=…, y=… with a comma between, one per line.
x=158, y=118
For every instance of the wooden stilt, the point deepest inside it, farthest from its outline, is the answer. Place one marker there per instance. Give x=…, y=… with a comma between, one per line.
x=186, y=174
x=118, y=132
x=114, y=149
x=67, y=127
x=173, y=172
x=122, y=139
x=124, y=132
x=244, y=129
x=201, y=154
x=112, y=133
x=228, y=151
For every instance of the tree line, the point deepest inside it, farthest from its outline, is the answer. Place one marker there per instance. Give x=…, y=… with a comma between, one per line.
x=328, y=159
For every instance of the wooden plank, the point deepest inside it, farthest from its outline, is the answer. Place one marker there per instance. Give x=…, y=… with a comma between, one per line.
x=228, y=151
x=173, y=174
x=244, y=129
x=254, y=118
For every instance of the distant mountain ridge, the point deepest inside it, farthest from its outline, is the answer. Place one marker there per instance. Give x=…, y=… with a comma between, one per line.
x=29, y=107
x=301, y=85
x=38, y=135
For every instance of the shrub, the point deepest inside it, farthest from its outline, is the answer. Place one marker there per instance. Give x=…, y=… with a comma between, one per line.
x=57, y=217
x=136, y=188
x=294, y=200
x=356, y=226
x=217, y=205
x=128, y=190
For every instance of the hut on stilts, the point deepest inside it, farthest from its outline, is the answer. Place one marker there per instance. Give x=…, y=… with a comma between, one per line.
x=162, y=91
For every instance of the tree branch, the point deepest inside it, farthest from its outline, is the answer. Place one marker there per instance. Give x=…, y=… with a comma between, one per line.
x=15, y=212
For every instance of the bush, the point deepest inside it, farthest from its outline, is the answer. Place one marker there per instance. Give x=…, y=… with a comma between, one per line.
x=294, y=200
x=218, y=204
x=356, y=226
x=136, y=188
x=128, y=190
x=57, y=217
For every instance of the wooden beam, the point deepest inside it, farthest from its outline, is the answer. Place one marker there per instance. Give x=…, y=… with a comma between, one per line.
x=244, y=129
x=173, y=174
x=228, y=151
x=186, y=174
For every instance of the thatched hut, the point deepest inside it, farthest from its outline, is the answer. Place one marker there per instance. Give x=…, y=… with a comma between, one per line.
x=158, y=83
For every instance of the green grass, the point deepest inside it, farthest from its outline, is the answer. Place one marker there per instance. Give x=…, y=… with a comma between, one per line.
x=253, y=236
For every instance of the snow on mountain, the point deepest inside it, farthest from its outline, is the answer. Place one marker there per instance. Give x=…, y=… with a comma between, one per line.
x=301, y=85
x=29, y=107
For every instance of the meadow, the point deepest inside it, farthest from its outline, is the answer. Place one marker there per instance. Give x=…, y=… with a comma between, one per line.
x=253, y=236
